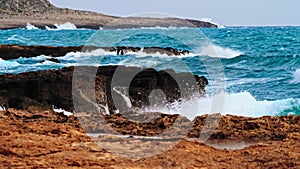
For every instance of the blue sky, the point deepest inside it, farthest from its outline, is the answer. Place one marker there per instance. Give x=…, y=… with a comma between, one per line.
x=224, y=12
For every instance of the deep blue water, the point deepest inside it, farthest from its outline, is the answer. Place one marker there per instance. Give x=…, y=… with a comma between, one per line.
x=261, y=65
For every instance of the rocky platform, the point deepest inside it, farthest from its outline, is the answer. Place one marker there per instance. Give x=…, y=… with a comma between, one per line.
x=17, y=13
x=44, y=139
x=16, y=51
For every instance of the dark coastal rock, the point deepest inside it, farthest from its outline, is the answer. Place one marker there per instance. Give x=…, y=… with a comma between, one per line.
x=51, y=60
x=54, y=87
x=15, y=51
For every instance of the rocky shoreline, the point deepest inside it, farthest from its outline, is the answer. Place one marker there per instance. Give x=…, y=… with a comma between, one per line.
x=16, y=51
x=41, y=13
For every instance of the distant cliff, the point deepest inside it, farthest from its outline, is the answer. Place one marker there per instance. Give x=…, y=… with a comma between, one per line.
x=16, y=13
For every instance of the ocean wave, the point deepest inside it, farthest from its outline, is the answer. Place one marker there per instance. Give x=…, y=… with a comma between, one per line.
x=65, y=26
x=6, y=65
x=18, y=38
x=29, y=26
x=239, y=104
x=216, y=51
x=296, y=78
x=210, y=20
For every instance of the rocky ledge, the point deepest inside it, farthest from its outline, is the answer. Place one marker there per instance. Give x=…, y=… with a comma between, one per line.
x=17, y=13
x=45, y=139
x=15, y=51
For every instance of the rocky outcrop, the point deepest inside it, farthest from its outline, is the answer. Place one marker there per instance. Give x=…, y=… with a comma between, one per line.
x=15, y=51
x=17, y=13
x=42, y=89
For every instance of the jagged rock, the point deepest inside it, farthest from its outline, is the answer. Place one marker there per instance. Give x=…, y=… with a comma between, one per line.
x=54, y=87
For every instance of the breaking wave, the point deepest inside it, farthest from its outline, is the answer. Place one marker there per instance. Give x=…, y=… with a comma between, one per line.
x=239, y=104
x=29, y=26
x=65, y=26
x=216, y=51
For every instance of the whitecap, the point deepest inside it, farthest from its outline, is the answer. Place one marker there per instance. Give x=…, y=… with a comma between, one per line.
x=216, y=51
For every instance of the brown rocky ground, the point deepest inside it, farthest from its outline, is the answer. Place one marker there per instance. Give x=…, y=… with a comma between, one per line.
x=44, y=139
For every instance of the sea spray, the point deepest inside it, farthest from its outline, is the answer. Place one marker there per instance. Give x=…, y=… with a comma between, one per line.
x=239, y=104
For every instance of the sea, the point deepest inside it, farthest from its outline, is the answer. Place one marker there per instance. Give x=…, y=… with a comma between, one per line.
x=255, y=70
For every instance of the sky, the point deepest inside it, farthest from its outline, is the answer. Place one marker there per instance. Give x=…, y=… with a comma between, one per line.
x=224, y=12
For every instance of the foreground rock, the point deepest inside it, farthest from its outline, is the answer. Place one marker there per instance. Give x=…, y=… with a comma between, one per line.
x=17, y=13
x=44, y=139
x=92, y=86
x=16, y=51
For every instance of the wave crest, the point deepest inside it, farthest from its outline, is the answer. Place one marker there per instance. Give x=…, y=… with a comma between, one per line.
x=296, y=78
x=216, y=51
x=239, y=104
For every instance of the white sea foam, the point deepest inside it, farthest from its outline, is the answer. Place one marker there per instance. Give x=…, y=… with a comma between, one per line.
x=121, y=91
x=210, y=20
x=65, y=26
x=58, y=110
x=239, y=104
x=2, y=108
x=29, y=26
x=296, y=78
x=216, y=51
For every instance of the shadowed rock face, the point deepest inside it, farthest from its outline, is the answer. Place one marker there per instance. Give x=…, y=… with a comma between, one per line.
x=42, y=89
x=15, y=51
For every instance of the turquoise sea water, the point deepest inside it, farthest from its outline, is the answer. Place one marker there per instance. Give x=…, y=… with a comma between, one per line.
x=261, y=65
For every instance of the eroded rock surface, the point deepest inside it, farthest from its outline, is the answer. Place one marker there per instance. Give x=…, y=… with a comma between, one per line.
x=44, y=139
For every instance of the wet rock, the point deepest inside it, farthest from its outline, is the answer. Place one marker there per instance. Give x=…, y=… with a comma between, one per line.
x=59, y=87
